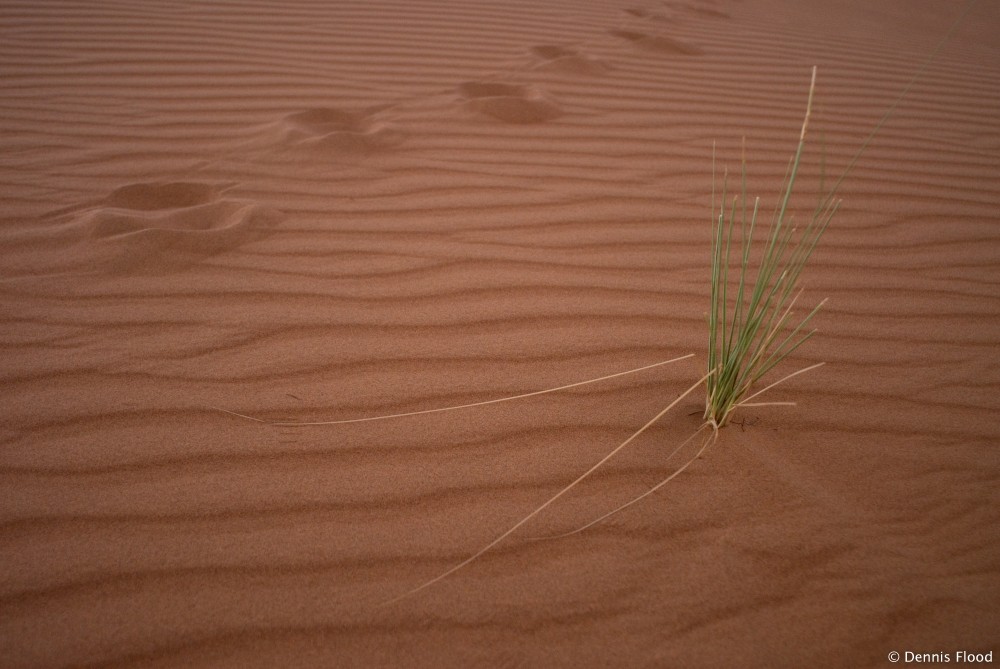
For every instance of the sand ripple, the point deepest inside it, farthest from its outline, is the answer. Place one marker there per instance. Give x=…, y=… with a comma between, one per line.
x=316, y=211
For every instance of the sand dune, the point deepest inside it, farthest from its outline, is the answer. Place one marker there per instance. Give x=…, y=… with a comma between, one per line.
x=315, y=211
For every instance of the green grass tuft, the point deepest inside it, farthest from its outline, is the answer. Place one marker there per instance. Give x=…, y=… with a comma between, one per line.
x=750, y=324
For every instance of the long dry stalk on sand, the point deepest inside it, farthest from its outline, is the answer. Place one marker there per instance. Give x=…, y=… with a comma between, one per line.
x=746, y=339
x=748, y=335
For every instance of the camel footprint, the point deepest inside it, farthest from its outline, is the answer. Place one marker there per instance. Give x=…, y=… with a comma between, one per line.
x=676, y=10
x=657, y=43
x=698, y=9
x=510, y=103
x=330, y=133
x=565, y=59
x=159, y=224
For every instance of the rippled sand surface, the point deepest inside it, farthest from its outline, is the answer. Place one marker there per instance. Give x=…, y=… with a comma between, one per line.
x=313, y=211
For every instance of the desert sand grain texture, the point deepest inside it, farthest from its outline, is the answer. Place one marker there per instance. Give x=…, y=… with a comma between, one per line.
x=313, y=210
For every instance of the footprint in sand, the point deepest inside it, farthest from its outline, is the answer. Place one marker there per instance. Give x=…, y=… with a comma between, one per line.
x=640, y=13
x=676, y=10
x=332, y=133
x=700, y=9
x=565, y=59
x=509, y=103
x=657, y=43
x=156, y=226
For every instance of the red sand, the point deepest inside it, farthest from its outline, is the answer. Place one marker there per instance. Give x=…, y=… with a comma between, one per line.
x=324, y=210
